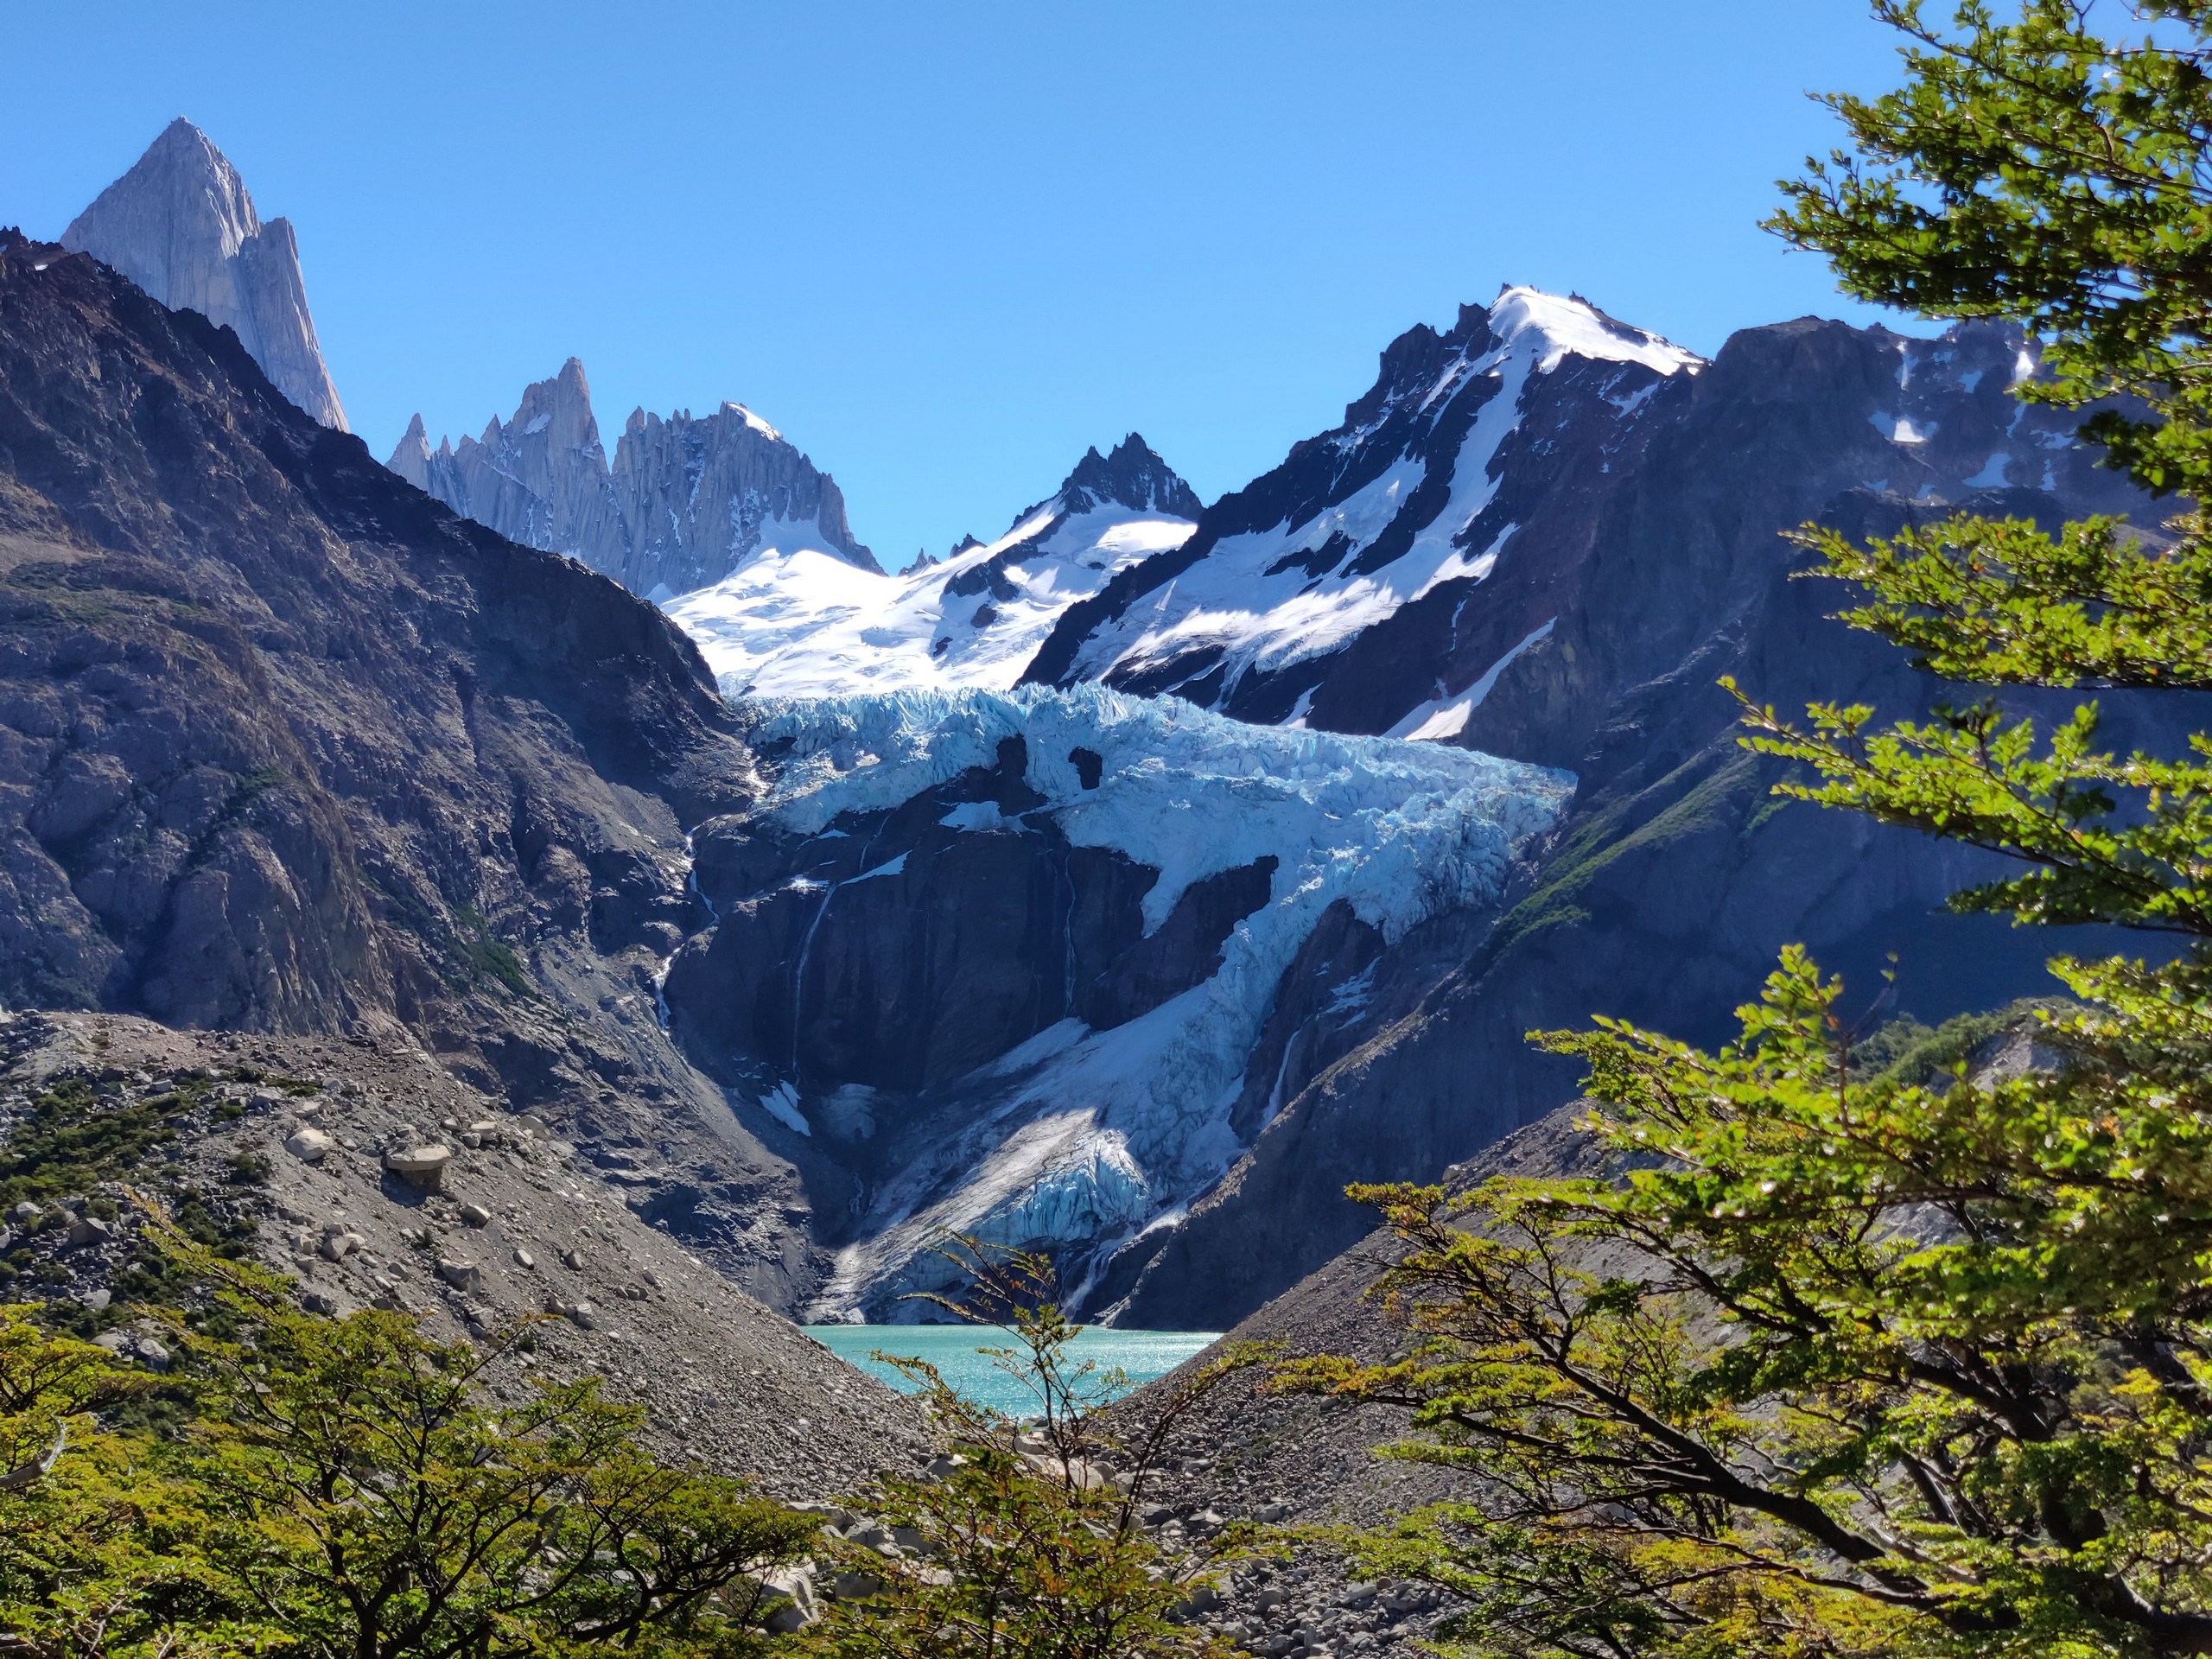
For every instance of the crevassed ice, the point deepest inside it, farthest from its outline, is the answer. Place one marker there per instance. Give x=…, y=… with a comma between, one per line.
x=1094, y=1135
x=1190, y=793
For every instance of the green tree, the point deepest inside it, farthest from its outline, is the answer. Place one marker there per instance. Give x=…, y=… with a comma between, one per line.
x=346, y=1488
x=359, y=1492
x=1025, y=1540
x=1831, y=1362
x=96, y=1554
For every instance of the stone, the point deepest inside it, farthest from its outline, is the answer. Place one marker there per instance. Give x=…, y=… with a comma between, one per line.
x=96, y=1299
x=573, y=1260
x=583, y=1315
x=181, y=224
x=803, y=1604
x=308, y=1146
x=338, y=1243
x=26, y=1211
x=475, y=1215
x=90, y=1229
x=524, y=1259
x=420, y=1167
x=461, y=1273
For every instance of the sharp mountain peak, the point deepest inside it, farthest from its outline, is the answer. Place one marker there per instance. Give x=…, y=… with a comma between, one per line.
x=182, y=225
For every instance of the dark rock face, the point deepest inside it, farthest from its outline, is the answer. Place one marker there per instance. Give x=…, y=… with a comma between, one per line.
x=897, y=954
x=1133, y=475
x=1665, y=894
x=284, y=746
x=685, y=503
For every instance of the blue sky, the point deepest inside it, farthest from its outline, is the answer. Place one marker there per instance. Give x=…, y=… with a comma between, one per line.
x=946, y=247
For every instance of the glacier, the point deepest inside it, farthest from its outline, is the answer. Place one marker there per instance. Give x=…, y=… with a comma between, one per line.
x=1080, y=1138
x=792, y=621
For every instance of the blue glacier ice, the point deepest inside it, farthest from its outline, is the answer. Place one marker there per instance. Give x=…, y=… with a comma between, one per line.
x=1081, y=1137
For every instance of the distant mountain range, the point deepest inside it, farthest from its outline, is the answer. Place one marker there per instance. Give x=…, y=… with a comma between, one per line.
x=1123, y=887
x=686, y=501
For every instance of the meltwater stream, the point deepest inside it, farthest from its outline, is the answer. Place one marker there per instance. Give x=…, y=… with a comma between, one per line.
x=956, y=1351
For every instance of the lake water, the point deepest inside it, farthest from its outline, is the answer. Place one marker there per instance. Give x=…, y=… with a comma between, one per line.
x=956, y=1350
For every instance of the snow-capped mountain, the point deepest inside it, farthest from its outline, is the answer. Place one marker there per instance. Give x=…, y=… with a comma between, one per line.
x=1397, y=515
x=181, y=224
x=686, y=500
x=1006, y=960
x=796, y=623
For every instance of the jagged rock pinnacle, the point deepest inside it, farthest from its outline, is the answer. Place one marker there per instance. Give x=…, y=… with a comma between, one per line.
x=181, y=224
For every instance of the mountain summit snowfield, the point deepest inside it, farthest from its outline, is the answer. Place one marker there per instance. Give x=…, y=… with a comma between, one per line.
x=798, y=623
x=1409, y=504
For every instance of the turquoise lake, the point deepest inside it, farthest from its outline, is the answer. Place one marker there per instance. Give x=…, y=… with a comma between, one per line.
x=956, y=1351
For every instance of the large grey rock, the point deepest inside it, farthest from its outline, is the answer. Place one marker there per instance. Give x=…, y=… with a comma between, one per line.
x=181, y=224
x=686, y=500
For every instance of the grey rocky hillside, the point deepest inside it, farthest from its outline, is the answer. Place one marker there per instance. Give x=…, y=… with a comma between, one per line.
x=181, y=224
x=685, y=502
x=289, y=747
x=363, y=1169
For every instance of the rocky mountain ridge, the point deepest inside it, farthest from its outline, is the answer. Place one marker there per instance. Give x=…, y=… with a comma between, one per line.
x=287, y=746
x=1643, y=573
x=1543, y=535
x=796, y=625
x=685, y=502
x=181, y=224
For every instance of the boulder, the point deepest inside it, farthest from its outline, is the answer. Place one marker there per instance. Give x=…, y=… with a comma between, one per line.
x=308, y=1146
x=461, y=1273
x=420, y=1167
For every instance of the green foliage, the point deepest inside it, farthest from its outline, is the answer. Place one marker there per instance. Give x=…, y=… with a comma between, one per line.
x=70, y=1140
x=1026, y=1548
x=487, y=956
x=1858, y=1354
x=1859, y=1365
x=96, y=1534
x=346, y=1488
x=1905, y=1051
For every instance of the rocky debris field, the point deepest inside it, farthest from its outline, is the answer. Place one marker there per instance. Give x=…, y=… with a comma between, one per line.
x=1295, y=1463
x=373, y=1177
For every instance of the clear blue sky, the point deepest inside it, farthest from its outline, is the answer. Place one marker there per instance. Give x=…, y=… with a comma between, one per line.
x=945, y=247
